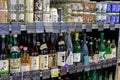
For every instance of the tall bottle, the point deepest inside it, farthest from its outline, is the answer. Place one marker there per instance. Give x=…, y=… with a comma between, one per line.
x=76, y=49
x=34, y=55
x=61, y=54
x=102, y=48
x=84, y=50
x=25, y=64
x=52, y=53
x=113, y=49
x=108, y=50
x=43, y=54
x=4, y=61
x=96, y=52
x=91, y=52
x=15, y=57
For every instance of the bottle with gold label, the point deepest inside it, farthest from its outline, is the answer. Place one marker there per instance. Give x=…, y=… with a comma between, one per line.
x=4, y=62
x=34, y=55
x=52, y=53
x=25, y=64
x=43, y=54
x=15, y=56
x=61, y=54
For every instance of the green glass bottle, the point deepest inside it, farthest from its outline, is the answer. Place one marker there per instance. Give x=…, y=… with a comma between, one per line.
x=108, y=50
x=76, y=49
x=4, y=61
x=15, y=60
x=102, y=48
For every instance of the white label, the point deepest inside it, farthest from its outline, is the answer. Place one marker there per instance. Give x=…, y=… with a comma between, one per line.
x=91, y=58
x=43, y=46
x=61, y=43
x=21, y=16
x=43, y=62
x=76, y=57
x=15, y=65
x=113, y=55
x=13, y=16
x=15, y=48
x=4, y=65
x=13, y=2
x=61, y=58
x=96, y=57
x=34, y=60
x=102, y=55
x=108, y=56
x=21, y=1
x=69, y=59
x=25, y=68
x=29, y=5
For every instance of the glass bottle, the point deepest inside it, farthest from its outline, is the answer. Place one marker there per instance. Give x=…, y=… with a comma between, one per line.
x=108, y=50
x=4, y=61
x=43, y=54
x=25, y=64
x=91, y=52
x=34, y=55
x=61, y=54
x=76, y=49
x=96, y=52
x=52, y=53
x=113, y=49
x=15, y=56
x=102, y=48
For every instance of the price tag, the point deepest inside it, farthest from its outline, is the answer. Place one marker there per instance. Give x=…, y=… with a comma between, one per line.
x=92, y=66
x=109, y=62
x=56, y=27
x=71, y=69
x=5, y=77
x=54, y=72
x=31, y=28
x=104, y=63
x=78, y=27
x=46, y=74
x=112, y=26
x=89, y=27
x=4, y=29
x=64, y=27
x=114, y=61
x=71, y=26
x=39, y=27
x=99, y=65
x=16, y=28
x=87, y=67
x=48, y=27
x=35, y=75
x=27, y=75
x=100, y=26
x=63, y=71
x=79, y=67
x=17, y=76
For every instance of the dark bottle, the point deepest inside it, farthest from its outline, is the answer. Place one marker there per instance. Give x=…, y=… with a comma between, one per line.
x=96, y=52
x=61, y=54
x=4, y=61
x=52, y=53
x=43, y=54
x=91, y=52
x=34, y=55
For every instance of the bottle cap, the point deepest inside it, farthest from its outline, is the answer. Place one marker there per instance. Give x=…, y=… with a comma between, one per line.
x=91, y=42
x=25, y=48
x=21, y=47
x=3, y=36
x=15, y=35
x=108, y=41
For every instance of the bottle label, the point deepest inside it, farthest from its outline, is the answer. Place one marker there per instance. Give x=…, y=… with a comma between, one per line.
x=43, y=46
x=13, y=2
x=14, y=48
x=96, y=58
x=86, y=58
x=61, y=43
x=25, y=68
x=108, y=56
x=13, y=16
x=69, y=59
x=52, y=60
x=34, y=62
x=76, y=57
x=15, y=65
x=29, y=17
x=113, y=55
x=43, y=62
x=21, y=1
x=91, y=58
x=61, y=58
x=21, y=16
x=29, y=5
x=4, y=65
x=102, y=55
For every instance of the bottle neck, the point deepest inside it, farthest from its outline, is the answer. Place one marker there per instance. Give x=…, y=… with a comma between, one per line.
x=15, y=41
x=3, y=44
x=102, y=38
x=84, y=38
